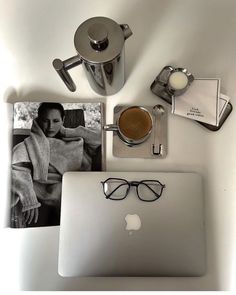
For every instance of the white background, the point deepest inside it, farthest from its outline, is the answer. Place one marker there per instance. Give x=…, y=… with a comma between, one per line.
x=197, y=34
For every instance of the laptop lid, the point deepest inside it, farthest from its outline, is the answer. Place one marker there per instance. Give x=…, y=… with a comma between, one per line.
x=130, y=237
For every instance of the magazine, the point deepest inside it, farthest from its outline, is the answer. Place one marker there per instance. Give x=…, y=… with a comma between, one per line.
x=50, y=139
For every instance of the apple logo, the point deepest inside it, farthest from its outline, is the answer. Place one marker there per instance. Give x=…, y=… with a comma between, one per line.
x=133, y=222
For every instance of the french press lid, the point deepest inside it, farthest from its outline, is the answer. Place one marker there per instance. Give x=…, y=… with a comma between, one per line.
x=99, y=40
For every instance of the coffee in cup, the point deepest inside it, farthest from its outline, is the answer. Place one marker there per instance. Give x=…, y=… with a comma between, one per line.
x=134, y=125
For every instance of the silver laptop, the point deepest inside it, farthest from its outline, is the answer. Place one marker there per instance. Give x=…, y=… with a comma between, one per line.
x=127, y=227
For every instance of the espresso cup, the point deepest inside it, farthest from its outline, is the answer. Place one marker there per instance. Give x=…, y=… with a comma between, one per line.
x=134, y=125
x=178, y=81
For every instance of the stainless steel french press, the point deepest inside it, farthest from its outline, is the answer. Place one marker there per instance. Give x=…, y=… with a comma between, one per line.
x=99, y=42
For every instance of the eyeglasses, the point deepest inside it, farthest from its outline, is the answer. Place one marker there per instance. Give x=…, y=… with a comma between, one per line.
x=117, y=189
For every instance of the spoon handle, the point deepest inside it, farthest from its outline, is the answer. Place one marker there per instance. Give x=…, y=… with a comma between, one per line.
x=157, y=147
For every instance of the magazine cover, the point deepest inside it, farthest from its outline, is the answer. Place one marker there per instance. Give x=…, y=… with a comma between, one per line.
x=50, y=139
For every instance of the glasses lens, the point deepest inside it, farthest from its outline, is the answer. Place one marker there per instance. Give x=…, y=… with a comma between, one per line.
x=116, y=189
x=149, y=190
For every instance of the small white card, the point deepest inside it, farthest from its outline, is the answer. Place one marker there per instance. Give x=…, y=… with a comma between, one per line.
x=202, y=102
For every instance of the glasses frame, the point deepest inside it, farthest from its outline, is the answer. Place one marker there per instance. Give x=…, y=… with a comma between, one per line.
x=129, y=185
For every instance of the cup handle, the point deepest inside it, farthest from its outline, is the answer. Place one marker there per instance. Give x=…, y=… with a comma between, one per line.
x=110, y=127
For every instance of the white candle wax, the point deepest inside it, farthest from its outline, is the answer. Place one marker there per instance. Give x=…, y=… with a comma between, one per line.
x=178, y=80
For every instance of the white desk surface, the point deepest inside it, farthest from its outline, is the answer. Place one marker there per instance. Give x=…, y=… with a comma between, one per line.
x=196, y=34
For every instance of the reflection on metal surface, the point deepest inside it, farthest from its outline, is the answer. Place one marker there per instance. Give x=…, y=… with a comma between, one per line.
x=98, y=36
x=107, y=78
x=109, y=72
x=157, y=147
x=62, y=68
x=99, y=42
x=161, y=87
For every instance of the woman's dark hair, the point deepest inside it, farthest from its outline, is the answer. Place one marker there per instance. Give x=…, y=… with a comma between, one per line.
x=44, y=106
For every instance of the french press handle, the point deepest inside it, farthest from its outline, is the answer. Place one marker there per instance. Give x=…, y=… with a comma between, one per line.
x=62, y=68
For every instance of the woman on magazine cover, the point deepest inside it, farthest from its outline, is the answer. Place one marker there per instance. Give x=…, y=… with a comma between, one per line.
x=39, y=162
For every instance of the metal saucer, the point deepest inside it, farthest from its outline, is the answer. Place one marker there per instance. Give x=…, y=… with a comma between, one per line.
x=145, y=149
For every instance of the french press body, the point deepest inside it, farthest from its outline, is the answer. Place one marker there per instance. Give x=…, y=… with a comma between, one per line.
x=99, y=42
